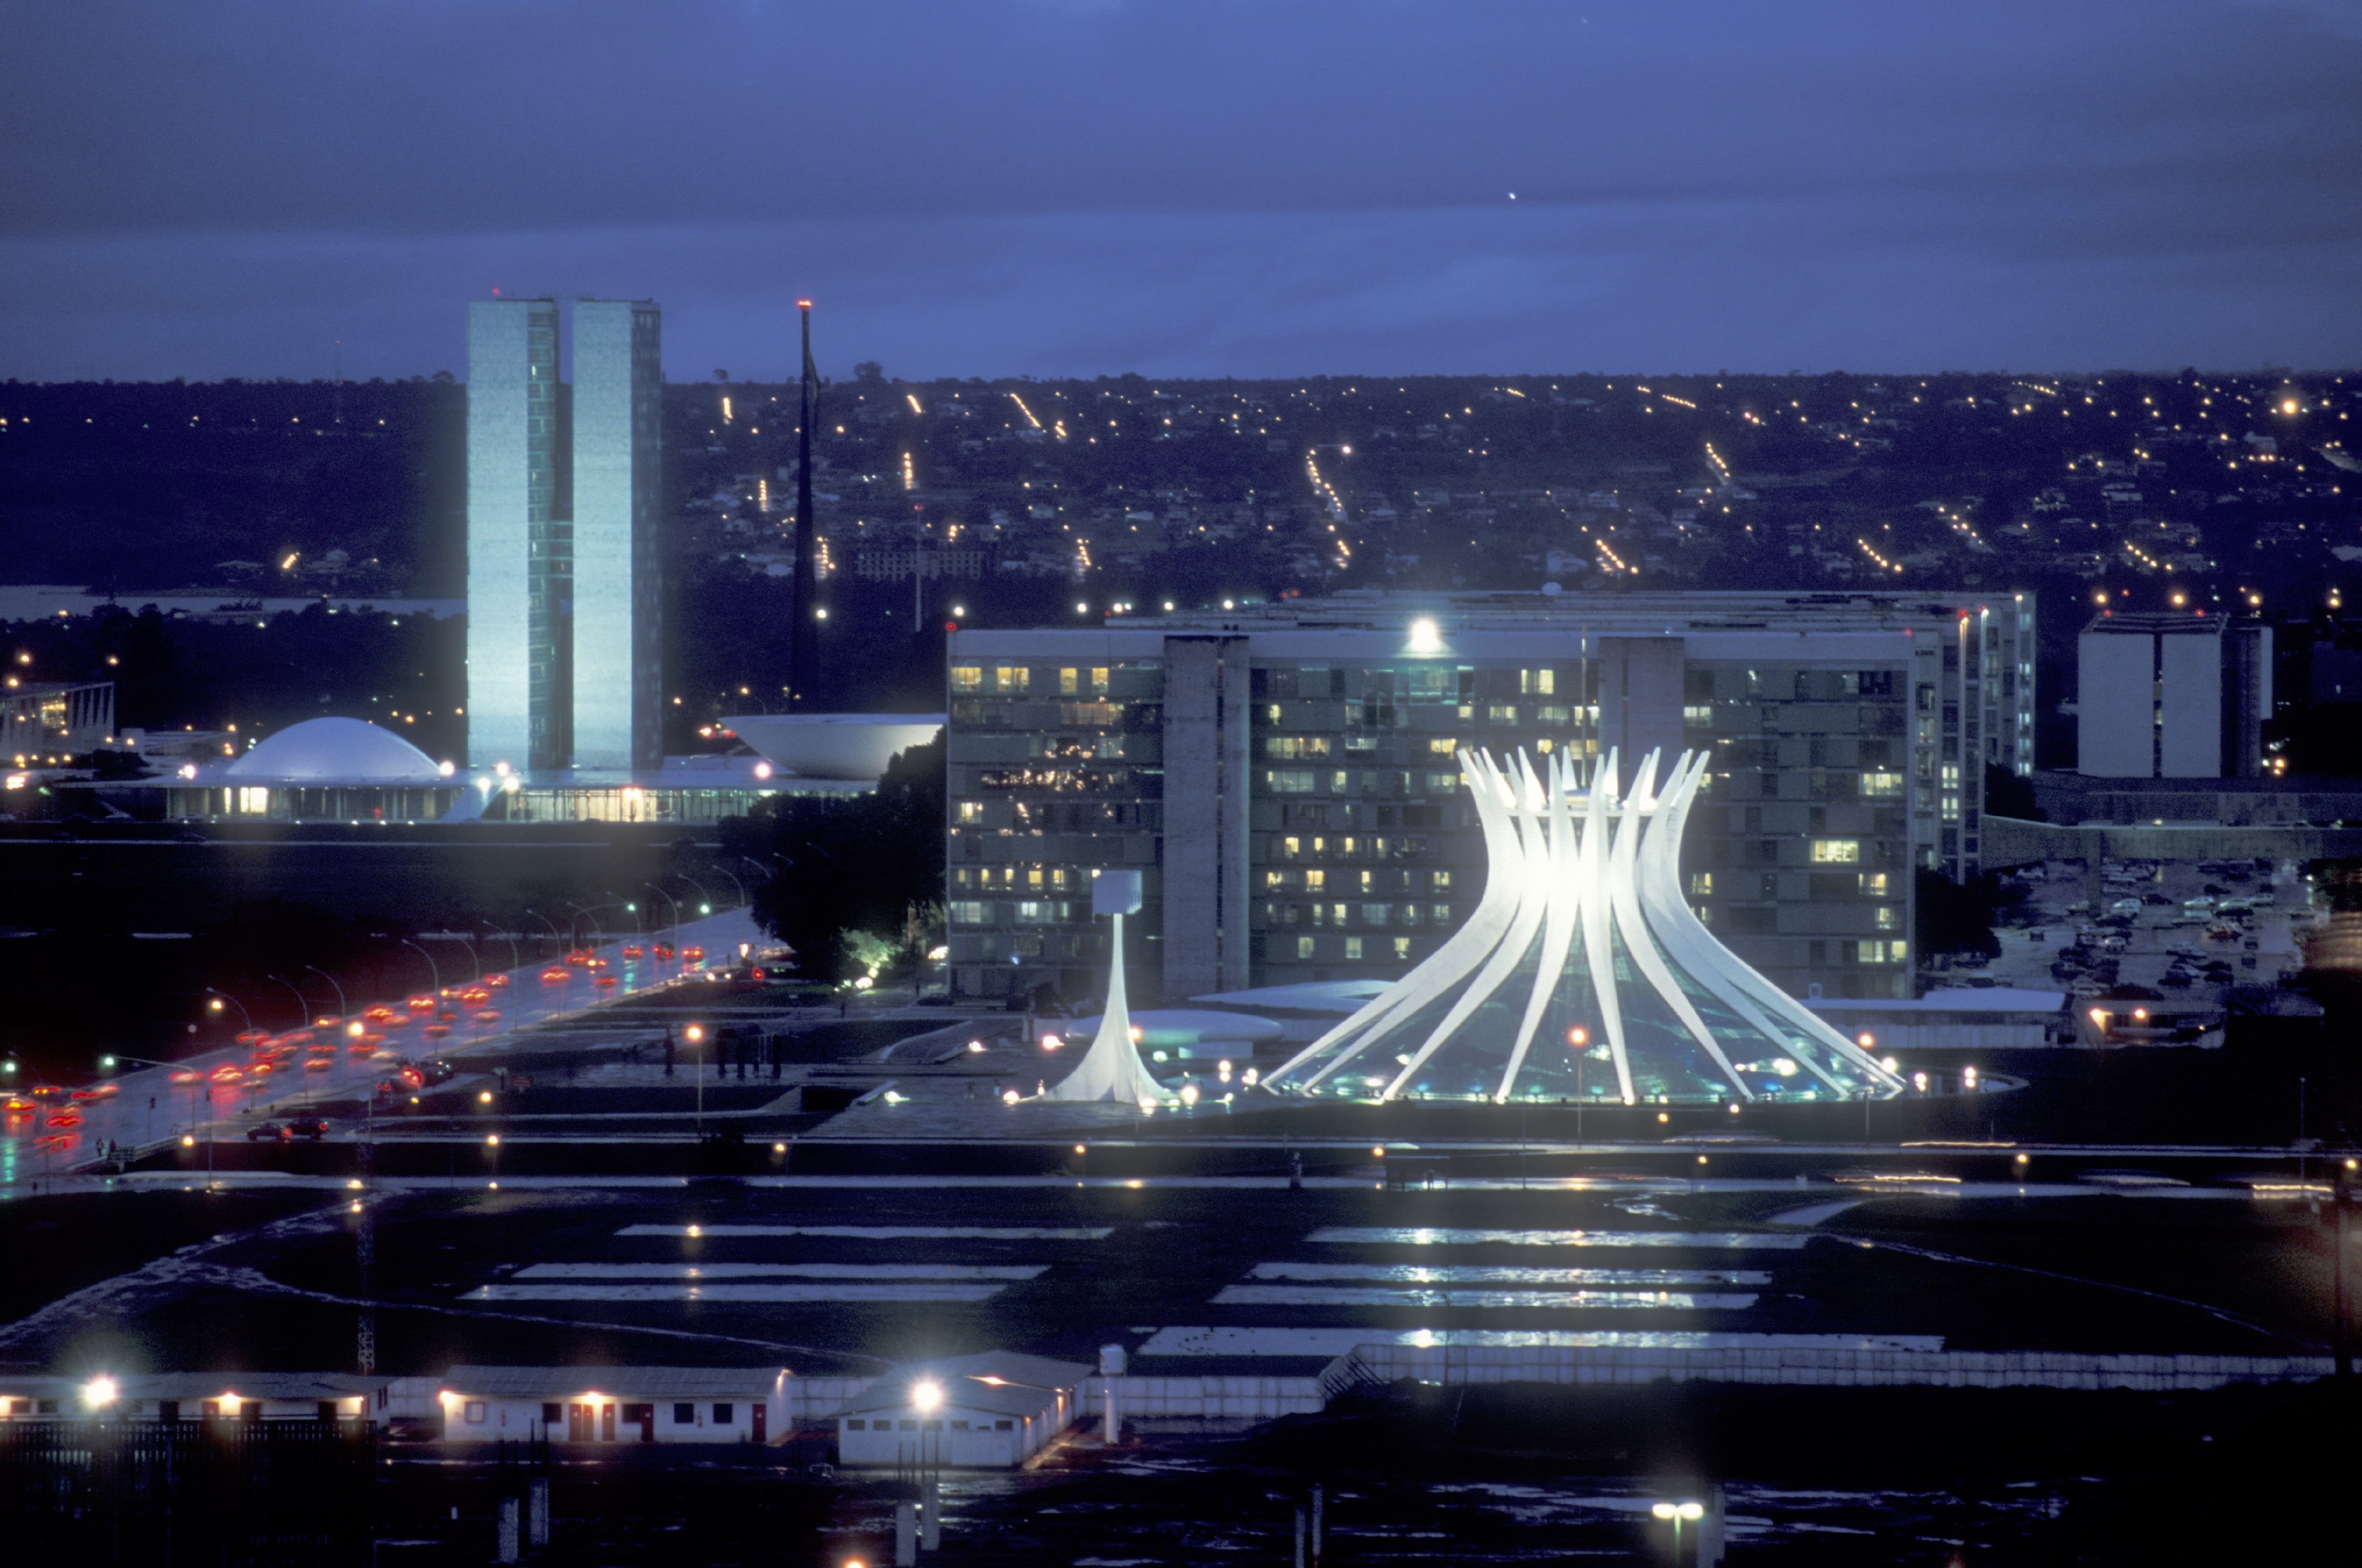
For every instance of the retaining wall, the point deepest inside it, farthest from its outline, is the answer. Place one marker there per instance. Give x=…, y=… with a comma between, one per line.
x=1820, y=1368
x=1245, y=1401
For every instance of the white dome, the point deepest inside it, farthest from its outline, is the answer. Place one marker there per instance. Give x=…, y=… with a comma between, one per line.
x=349, y=751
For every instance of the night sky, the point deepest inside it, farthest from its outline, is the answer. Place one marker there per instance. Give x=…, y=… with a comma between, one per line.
x=1054, y=187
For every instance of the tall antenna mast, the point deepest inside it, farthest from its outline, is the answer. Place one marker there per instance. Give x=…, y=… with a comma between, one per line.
x=803, y=638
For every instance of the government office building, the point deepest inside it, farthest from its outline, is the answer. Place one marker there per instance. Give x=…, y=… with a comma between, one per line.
x=563, y=494
x=1287, y=776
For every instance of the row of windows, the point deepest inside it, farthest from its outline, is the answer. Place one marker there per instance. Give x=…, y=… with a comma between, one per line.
x=1028, y=912
x=1060, y=780
x=1034, y=879
x=1766, y=885
x=1318, y=878
x=1074, y=748
x=1820, y=785
x=978, y=715
x=1710, y=685
x=857, y=1424
x=1349, y=914
x=1426, y=683
x=1350, y=949
x=1309, y=780
x=1292, y=847
x=684, y=1413
x=1014, y=677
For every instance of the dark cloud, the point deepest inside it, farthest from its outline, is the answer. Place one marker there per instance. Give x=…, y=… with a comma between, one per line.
x=1204, y=185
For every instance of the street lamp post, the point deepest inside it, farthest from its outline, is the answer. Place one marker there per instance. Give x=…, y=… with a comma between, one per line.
x=668, y=898
x=927, y=1399
x=1678, y=1515
x=226, y=997
x=433, y=968
x=302, y=1008
x=546, y=920
x=741, y=887
x=695, y=1035
x=594, y=911
x=341, y=1009
x=107, y=1062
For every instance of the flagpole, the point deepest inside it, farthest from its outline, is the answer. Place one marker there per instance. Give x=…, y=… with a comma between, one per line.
x=803, y=639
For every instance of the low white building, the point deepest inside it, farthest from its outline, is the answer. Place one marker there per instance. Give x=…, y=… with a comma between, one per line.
x=985, y=1411
x=195, y=1395
x=614, y=1404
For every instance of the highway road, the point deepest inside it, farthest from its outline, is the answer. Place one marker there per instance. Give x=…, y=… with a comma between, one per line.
x=155, y=1103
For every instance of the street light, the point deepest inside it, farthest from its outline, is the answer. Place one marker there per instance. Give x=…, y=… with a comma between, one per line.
x=591, y=911
x=1678, y=1515
x=108, y=1062
x=221, y=997
x=341, y=1008
x=302, y=1008
x=668, y=898
x=741, y=887
x=433, y=968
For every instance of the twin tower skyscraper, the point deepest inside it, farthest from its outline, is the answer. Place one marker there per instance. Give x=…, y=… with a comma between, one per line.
x=564, y=488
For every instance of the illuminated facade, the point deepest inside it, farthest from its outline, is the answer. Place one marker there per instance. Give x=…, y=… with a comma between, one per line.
x=547, y=691
x=1285, y=777
x=516, y=556
x=618, y=442
x=49, y=721
x=1583, y=974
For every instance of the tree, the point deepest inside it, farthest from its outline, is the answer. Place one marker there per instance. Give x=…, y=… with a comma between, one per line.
x=869, y=370
x=2007, y=795
x=1954, y=919
x=860, y=878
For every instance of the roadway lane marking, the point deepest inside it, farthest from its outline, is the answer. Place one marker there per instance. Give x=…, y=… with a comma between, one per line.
x=1480, y=1274
x=1410, y=1236
x=776, y=1271
x=1335, y=1340
x=888, y=1232
x=845, y=1290
x=1336, y=1296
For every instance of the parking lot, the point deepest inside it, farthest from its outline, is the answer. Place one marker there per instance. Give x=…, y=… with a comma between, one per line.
x=2184, y=930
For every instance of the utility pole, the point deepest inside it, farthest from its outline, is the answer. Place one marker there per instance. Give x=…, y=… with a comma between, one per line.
x=365, y=1241
x=2341, y=1338
x=803, y=636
